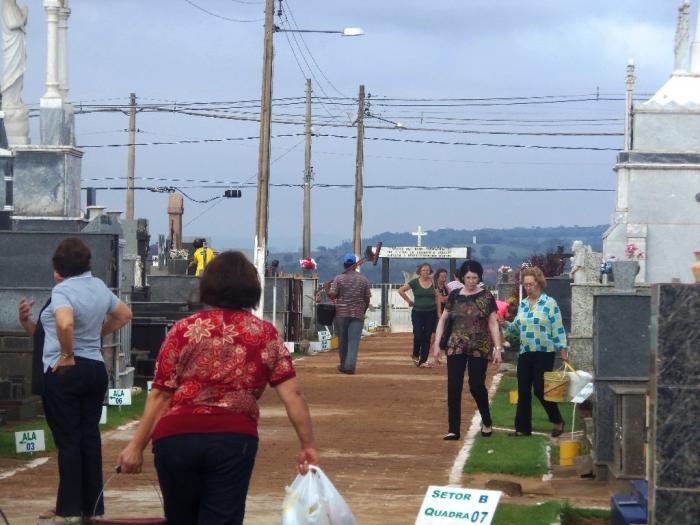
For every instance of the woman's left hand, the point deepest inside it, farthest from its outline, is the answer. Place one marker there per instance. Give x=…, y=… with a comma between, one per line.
x=62, y=362
x=130, y=460
x=564, y=355
x=497, y=357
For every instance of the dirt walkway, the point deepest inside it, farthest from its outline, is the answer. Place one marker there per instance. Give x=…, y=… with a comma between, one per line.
x=378, y=434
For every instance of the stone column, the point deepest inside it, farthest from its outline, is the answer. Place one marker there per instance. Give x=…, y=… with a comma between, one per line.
x=51, y=105
x=69, y=118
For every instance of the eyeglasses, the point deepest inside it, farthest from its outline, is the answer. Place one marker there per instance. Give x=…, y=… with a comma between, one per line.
x=529, y=285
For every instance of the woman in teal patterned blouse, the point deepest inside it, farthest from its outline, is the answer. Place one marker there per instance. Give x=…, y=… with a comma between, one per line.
x=542, y=335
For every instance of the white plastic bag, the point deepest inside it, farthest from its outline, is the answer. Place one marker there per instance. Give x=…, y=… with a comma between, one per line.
x=577, y=380
x=313, y=500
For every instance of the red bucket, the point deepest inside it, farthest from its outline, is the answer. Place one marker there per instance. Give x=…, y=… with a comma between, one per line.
x=129, y=521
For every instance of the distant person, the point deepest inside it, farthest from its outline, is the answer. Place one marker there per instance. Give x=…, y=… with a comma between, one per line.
x=273, y=269
x=351, y=293
x=542, y=334
x=202, y=256
x=423, y=315
x=202, y=413
x=67, y=335
x=474, y=341
x=441, y=293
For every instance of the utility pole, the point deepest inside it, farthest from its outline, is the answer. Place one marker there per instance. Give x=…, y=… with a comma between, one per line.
x=261, y=206
x=131, y=162
x=306, y=247
x=359, y=167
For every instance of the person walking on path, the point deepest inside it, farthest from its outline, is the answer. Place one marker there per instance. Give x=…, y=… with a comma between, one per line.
x=423, y=315
x=542, y=334
x=441, y=292
x=202, y=256
x=474, y=332
x=67, y=339
x=202, y=413
x=350, y=290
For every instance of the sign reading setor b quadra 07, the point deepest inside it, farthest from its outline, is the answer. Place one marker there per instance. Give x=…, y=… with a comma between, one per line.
x=452, y=506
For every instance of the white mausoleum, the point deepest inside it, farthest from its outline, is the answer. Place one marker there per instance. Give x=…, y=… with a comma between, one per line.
x=658, y=173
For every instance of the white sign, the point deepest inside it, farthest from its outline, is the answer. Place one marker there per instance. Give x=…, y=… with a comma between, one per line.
x=450, y=505
x=583, y=394
x=103, y=417
x=424, y=252
x=149, y=385
x=119, y=396
x=290, y=346
x=29, y=441
x=324, y=335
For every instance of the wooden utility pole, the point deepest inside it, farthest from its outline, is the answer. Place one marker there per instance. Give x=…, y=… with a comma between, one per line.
x=359, y=167
x=261, y=206
x=131, y=162
x=306, y=246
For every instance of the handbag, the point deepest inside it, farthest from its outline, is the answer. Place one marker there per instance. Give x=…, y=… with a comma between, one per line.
x=447, y=327
x=446, y=332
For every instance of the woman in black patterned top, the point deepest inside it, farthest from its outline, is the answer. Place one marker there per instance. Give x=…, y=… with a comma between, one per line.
x=475, y=332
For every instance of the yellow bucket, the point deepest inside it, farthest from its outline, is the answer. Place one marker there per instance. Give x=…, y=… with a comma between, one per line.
x=568, y=450
x=556, y=386
x=513, y=397
x=335, y=342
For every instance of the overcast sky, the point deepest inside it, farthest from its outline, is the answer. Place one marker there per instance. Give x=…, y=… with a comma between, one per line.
x=170, y=51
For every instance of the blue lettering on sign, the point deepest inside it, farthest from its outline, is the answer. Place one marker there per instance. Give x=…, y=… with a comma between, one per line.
x=483, y=499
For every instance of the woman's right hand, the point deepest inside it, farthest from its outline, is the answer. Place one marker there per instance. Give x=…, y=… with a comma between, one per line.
x=25, y=309
x=307, y=456
x=130, y=460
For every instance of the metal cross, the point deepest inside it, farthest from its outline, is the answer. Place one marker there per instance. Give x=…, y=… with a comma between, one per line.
x=420, y=234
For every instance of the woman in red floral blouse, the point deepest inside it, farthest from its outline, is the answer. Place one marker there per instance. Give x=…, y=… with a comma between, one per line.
x=202, y=412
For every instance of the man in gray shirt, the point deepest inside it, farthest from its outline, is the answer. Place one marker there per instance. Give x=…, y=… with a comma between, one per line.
x=350, y=289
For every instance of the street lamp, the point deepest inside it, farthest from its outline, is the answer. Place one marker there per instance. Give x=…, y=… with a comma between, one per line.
x=262, y=202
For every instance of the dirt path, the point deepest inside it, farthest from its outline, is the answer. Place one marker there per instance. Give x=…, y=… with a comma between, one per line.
x=378, y=434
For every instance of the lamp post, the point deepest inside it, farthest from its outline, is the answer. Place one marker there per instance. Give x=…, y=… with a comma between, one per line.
x=262, y=203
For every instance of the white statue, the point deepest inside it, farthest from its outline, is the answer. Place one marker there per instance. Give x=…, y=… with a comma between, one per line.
x=14, y=22
x=578, y=262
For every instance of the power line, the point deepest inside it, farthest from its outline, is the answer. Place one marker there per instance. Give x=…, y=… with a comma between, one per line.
x=221, y=16
x=186, y=141
x=380, y=187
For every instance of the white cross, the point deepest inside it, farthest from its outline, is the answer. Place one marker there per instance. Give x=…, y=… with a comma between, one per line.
x=420, y=234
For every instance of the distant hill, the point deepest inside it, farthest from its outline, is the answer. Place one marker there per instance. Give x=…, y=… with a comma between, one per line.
x=493, y=248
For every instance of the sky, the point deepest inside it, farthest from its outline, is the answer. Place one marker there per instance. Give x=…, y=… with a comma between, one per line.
x=176, y=52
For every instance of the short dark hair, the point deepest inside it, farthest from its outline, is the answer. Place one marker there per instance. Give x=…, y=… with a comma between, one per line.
x=437, y=273
x=71, y=257
x=471, y=266
x=230, y=281
x=420, y=267
x=198, y=243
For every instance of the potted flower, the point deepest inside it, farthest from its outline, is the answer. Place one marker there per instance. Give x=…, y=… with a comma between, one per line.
x=307, y=264
x=504, y=273
x=625, y=271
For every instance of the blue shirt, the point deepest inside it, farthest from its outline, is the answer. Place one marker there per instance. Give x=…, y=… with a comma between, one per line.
x=91, y=301
x=540, y=327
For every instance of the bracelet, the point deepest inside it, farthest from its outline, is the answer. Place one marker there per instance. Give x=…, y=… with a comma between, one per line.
x=67, y=356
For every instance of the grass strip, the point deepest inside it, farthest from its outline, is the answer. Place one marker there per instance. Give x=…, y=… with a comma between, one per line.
x=546, y=514
x=115, y=417
x=501, y=454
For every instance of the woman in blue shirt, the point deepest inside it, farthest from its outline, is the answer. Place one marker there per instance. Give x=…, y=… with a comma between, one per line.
x=81, y=310
x=542, y=335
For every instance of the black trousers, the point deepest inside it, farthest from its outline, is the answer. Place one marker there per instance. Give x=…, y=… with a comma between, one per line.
x=476, y=369
x=204, y=477
x=73, y=398
x=423, y=327
x=531, y=369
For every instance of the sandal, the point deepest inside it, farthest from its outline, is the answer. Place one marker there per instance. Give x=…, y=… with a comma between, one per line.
x=48, y=514
x=556, y=432
x=450, y=436
x=486, y=434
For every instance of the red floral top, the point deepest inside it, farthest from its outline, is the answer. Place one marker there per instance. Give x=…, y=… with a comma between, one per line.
x=217, y=364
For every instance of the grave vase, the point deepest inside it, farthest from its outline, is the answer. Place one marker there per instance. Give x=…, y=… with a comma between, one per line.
x=624, y=274
x=696, y=267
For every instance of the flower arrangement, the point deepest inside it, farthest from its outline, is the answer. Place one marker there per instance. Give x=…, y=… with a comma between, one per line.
x=308, y=264
x=632, y=252
x=505, y=269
